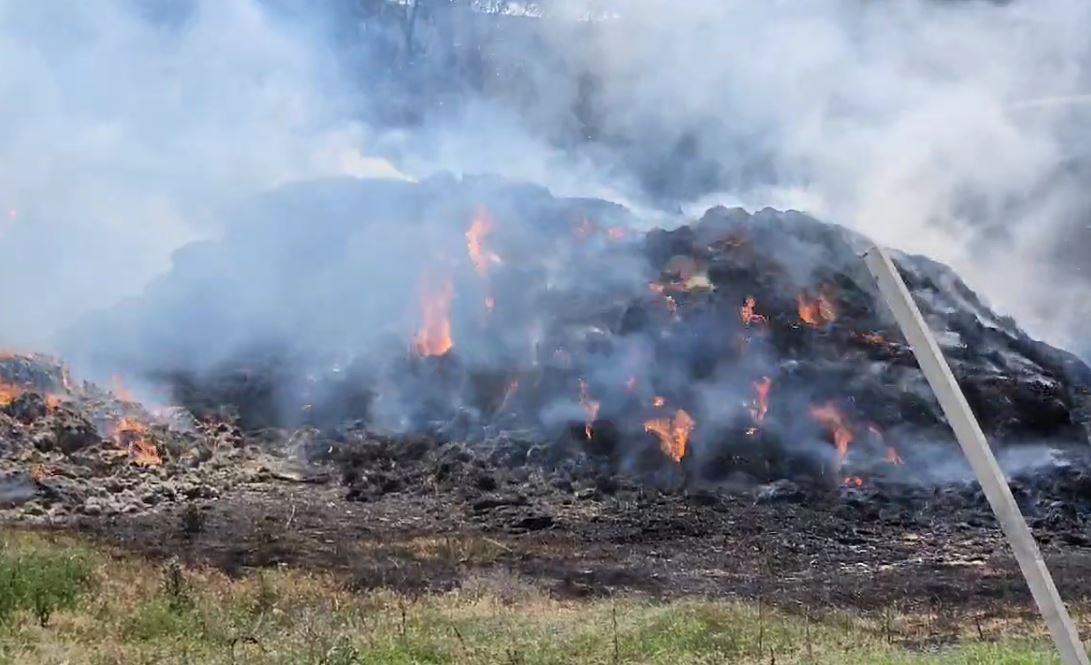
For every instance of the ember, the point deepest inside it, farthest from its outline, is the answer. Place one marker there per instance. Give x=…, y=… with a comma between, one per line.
x=673, y=433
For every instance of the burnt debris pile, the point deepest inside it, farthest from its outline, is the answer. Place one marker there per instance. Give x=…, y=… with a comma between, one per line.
x=737, y=348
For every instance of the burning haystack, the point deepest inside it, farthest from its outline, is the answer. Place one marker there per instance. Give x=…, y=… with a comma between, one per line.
x=738, y=347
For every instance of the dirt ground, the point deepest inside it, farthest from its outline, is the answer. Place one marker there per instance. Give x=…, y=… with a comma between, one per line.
x=801, y=556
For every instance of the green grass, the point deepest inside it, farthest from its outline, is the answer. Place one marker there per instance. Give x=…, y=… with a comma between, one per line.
x=42, y=581
x=103, y=607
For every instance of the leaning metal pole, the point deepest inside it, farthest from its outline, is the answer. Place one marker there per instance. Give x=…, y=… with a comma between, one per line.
x=977, y=451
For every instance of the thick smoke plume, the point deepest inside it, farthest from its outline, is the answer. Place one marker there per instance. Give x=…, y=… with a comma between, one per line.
x=955, y=129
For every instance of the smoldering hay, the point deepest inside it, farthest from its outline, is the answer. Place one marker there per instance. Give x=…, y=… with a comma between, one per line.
x=474, y=308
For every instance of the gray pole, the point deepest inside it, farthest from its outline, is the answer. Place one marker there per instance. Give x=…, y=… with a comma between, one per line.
x=976, y=447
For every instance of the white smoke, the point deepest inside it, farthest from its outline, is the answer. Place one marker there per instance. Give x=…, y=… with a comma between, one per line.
x=947, y=128
x=125, y=131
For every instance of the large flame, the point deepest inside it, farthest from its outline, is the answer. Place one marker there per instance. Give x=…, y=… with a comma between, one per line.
x=132, y=435
x=817, y=311
x=831, y=417
x=673, y=433
x=480, y=255
x=748, y=315
x=434, y=336
x=590, y=407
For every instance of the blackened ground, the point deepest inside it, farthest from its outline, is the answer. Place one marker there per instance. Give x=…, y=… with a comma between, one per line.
x=419, y=516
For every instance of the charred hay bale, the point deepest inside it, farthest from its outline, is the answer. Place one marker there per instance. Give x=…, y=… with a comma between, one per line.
x=27, y=407
x=32, y=372
x=70, y=433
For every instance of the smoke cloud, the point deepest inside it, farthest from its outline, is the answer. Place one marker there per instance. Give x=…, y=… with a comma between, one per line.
x=128, y=126
x=954, y=129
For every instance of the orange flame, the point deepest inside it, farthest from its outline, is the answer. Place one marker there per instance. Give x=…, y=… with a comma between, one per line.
x=748, y=315
x=133, y=436
x=8, y=393
x=673, y=433
x=481, y=257
x=616, y=233
x=659, y=401
x=122, y=392
x=761, y=404
x=854, y=481
x=831, y=417
x=874, y=338
x=816, y=311
x=590, y=407
x=434, y=336
x=892, y=456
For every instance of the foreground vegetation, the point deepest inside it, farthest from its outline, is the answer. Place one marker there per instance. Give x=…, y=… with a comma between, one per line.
x=62, y=601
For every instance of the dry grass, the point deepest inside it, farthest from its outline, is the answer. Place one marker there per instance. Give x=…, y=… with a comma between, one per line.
x=133, y=611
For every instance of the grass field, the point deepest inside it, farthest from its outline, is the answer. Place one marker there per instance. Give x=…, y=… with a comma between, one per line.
x=64, y=601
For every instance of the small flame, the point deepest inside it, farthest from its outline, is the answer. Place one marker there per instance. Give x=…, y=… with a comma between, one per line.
x=893, y=457
x=673, y=433
x=659, y=401
x=816, y=311
x=748, y=315
x=761, y=404
x=590, y=407
x=831, y=417
x=120, y=390
x=616, y=233
x=481, y=257
x=39, y=472
x=512, y=388
x=133, y=436
x=874, y=338
x=434, y=336
x=854, y=481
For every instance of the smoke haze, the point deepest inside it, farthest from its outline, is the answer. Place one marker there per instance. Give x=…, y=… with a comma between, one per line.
x=954, y=129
